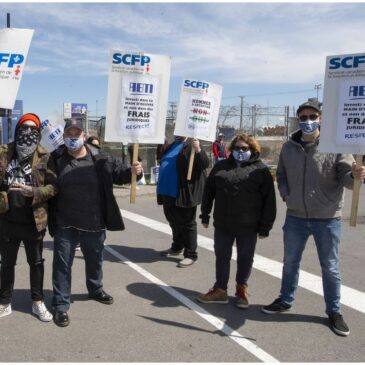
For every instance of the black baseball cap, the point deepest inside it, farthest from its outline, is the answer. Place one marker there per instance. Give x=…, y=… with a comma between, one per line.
x=76, y=123
x=314, y=104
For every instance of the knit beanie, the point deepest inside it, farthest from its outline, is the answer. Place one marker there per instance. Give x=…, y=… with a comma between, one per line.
x=32, y=117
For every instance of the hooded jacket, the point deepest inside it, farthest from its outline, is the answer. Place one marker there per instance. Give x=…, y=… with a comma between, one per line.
x=244, y=196
x=44, y=182
x=312, y=183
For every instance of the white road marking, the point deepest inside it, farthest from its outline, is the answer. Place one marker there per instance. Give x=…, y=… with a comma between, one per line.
x=216, y=322
x=352, y=298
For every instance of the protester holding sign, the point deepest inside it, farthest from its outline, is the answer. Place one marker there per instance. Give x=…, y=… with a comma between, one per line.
x=28, y=180
x=243, y=193
x=180, y=196
x=84, y=208
x=312, y=185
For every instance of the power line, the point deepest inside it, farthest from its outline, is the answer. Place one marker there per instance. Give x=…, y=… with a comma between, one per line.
x=276, y=93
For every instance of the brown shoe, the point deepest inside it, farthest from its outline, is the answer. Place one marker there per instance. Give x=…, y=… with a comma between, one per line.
x=215, y=295
x=241, y=296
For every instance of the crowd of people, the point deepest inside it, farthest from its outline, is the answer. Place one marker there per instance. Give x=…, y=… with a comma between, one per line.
x=70, y=192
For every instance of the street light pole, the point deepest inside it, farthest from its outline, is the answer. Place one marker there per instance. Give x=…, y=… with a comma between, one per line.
x=317, y=87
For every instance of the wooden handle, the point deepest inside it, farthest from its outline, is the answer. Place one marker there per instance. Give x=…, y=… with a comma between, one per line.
x=355, y=195
x=191, y=163
x=134, y=176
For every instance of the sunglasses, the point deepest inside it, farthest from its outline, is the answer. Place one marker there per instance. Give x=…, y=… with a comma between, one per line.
x=312, y=117
x=243, y=148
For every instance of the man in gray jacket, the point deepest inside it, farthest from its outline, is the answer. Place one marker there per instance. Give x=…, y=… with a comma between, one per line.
x=312, y=185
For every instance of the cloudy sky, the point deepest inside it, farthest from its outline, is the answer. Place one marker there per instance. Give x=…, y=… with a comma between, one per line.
x=271, y=53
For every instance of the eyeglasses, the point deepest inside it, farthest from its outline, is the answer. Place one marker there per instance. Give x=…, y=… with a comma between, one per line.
x=242, y=148
x=27, y=127
x=312, y=117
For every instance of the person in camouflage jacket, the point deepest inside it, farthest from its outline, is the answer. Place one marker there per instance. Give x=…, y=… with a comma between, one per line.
x=27, y=181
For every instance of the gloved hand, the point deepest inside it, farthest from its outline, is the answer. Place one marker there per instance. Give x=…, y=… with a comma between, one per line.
x=25, y=190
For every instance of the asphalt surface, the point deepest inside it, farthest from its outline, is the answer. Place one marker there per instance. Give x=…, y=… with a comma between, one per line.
x=155, y=317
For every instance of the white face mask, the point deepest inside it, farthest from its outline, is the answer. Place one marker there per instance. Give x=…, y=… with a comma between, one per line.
x=74, y=144
x=241, y=155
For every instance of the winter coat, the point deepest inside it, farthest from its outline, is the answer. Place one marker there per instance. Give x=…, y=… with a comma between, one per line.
x=244, y=196
x=44, y=182
x=312, y=182
x=109, y=170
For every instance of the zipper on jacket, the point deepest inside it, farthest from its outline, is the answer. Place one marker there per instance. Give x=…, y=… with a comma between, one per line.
x=304, y=173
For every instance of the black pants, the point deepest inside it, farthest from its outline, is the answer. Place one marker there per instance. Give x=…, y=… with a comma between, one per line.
x=9, y=251
x=183, y=224
x=223, y=242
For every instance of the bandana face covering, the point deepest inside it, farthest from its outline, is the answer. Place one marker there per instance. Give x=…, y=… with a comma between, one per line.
x=26, y=141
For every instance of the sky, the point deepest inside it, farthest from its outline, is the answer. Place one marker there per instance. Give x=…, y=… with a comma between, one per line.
x=273, y=54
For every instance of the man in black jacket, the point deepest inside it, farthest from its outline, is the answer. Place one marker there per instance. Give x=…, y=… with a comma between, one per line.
x=180, y=196
x=84, y=208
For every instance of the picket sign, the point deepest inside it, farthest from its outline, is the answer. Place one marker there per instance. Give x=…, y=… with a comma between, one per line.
x=343, y=117
x=138, y=87
x=198, y=112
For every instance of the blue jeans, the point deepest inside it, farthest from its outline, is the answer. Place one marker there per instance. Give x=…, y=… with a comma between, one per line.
x=326, y=234
x=92, y=246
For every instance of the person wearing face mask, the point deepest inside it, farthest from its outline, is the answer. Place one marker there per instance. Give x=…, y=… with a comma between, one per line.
x=243, y=193
x=312, y=184
x=219, y=148
x=27, y=181
x=84, y=208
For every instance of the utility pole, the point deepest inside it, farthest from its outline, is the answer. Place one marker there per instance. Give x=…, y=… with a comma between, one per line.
x=317, y=87
x=241, y=113
x=253, y=120
x=96, y=108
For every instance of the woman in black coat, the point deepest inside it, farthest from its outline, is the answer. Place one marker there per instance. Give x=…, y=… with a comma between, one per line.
x=244, y=209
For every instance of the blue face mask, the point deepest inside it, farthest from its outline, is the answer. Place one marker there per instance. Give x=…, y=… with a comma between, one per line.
x=241, y=155
x=308, y=127
x=74, y=144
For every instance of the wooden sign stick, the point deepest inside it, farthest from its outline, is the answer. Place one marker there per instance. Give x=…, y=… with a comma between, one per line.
x=191, y=163
x=355, y=194
x=134, y=176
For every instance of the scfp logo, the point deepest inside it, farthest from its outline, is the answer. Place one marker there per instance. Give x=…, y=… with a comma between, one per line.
x=130, y=59
x=11, y=59
x=196, y=84
x=346, y=62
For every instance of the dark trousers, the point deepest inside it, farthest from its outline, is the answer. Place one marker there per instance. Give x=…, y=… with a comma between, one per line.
x=92, y=246
x=183, y=224
x=9, y=248
x=223, y=242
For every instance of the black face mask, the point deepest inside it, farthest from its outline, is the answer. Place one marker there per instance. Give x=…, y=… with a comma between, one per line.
x=26, y=141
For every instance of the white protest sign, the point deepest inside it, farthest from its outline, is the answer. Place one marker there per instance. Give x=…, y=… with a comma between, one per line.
x=198, y=110
x=51, y=135
x=14, y=46
x=343, y=117
x=138, y=88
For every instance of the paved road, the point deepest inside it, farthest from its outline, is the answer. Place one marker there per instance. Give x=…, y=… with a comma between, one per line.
x=156, y=318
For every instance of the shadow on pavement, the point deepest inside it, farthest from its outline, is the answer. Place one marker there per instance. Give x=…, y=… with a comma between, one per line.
x=139, y=254
x=228, y=313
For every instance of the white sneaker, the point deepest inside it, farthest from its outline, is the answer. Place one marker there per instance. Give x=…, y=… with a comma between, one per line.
x=40, y=310
x=5, y=310
x=187, y=261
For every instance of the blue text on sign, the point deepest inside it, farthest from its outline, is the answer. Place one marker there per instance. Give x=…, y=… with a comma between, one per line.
x=139, y=87
x=357, y=91
x=196, y=84
x=11, y=59
x=346, y=62
x=130, y=59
